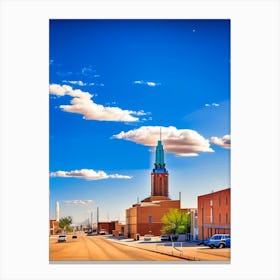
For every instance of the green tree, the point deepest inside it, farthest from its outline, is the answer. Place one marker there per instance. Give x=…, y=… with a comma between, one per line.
x=65, y=222
x=175, y=222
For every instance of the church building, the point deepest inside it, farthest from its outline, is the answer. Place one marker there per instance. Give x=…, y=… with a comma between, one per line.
x=145, y=217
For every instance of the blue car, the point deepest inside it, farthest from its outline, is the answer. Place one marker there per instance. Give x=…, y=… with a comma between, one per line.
x=218, y=241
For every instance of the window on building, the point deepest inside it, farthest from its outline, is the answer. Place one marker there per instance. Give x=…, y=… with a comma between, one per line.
x=220, y=218
x=150, y=219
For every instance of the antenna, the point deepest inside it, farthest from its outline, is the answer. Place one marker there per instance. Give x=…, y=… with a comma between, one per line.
x=160, y=133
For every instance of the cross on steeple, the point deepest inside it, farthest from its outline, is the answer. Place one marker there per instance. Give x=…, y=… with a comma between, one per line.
x=160, y=130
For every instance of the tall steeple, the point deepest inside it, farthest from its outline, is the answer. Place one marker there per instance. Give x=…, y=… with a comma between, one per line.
x=159, y=175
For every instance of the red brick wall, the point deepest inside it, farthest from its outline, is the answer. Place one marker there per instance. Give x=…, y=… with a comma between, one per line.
x=213, y=213
x=159, y=184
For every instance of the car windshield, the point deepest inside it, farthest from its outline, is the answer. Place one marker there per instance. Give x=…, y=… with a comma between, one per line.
x=216, y=237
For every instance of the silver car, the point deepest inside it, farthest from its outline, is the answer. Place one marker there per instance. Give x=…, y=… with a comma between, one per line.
x=61, y=238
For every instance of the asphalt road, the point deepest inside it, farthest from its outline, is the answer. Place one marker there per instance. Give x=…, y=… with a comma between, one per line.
x=96, y=248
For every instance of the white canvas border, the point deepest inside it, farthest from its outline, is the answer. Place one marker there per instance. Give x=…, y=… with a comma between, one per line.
x=24, y=136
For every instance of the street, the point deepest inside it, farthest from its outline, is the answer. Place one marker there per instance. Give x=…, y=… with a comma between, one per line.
x=107, y=248
x=97, y=248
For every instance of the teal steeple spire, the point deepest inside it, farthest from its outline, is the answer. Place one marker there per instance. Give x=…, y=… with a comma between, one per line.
x=159, y=164
x=159, y=156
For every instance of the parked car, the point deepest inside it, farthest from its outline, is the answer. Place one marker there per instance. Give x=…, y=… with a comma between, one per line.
x=74, y=236
x=174, y=237
x=218, y=241
x=148, y=237
x=165, y=238
x=61, y=238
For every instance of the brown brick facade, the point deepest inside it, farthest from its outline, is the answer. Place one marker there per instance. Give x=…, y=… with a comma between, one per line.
x=213, y=213
x=145, y=217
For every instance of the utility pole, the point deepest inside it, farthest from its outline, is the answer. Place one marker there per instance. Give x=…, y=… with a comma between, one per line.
x=180, y=199
x=91, y=220
x=97, y=219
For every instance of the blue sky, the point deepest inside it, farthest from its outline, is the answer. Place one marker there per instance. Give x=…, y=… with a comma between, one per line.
x=112, y=84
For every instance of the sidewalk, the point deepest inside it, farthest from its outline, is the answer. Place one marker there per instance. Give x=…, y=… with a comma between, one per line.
x=185, y=250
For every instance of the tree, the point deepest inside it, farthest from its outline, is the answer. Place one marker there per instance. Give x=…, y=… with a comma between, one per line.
x=65, y=223
x=175, y=221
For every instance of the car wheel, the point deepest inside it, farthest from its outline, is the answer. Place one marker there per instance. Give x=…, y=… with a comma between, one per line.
x=222, y=245
x=211, y=246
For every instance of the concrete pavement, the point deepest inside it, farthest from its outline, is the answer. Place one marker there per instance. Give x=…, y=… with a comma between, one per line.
x=185, y=250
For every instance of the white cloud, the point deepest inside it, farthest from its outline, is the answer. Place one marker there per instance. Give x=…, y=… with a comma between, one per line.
x=78, y=202
x=79, y=83
x=87, y=71
x=88, y=174
x=151, y=84
x=118, y=176
x=222, y=142
x=64, y=74
x=63, y=90
x=83, y=104
x=147, y=83
x=213, y=104
x=181, y=142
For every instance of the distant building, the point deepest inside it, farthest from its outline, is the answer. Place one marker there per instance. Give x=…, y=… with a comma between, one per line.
x=193, y=234
x=145, y=217
x=53, y=227
x=106, y=227
x=120, y=229
x=213, y=213
x=112, y=227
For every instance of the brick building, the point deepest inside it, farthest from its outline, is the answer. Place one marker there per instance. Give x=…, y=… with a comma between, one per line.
x=120, y=229
x=213, y=213
x=106, y=227
x=193, y=234
x=53, y=227
x=145, y=217
x=113, y=227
